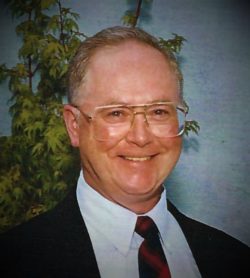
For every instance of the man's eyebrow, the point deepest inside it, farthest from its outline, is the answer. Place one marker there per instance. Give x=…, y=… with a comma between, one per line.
x=161, y=100
x=116, y=102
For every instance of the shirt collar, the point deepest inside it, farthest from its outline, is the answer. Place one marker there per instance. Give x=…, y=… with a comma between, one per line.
x=116, y=222
x=161, y=215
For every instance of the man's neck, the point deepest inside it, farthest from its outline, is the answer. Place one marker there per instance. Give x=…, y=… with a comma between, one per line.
x=137, y=203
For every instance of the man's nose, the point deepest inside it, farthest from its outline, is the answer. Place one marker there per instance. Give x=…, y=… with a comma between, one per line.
x=139, y=132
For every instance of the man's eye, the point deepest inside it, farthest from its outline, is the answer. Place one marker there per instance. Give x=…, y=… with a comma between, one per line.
x=116, y=113
x=115, y=116
x=160, y=112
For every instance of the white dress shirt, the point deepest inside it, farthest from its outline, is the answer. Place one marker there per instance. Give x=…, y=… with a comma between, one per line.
x=111, y=229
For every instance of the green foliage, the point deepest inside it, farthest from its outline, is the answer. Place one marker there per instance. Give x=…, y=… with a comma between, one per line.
x=129, y=18
x=191, y=126
x=36, y=162
x=174, y=44
x=138, y=10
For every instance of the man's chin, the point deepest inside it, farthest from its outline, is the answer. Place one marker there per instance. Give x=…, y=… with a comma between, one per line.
x=139, y=197
x=138, y=185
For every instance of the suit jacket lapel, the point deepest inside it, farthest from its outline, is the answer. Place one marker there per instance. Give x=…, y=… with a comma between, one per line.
x=79, y=248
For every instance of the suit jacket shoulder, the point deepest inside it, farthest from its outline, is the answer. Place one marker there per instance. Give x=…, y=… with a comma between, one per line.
x=54, y=244
x=216, y=253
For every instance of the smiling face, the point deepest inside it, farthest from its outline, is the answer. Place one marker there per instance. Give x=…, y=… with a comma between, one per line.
x=127, y=171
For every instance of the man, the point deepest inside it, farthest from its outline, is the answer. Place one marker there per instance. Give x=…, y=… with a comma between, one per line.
x=126, y=114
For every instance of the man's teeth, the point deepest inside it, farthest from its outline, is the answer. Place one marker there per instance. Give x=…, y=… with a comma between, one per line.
x=137, y=158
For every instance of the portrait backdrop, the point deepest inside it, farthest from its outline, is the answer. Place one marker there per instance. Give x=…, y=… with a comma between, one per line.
x=211, y=181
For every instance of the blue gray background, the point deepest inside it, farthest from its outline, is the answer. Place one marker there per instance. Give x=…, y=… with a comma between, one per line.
x=211, y=180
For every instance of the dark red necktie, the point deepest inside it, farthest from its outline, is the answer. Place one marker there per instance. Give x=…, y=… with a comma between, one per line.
x=151, y=258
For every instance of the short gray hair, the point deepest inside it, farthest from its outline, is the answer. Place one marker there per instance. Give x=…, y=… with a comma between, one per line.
x=111, y=37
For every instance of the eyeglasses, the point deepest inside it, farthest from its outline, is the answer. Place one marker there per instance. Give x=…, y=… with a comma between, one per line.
x=163, y=119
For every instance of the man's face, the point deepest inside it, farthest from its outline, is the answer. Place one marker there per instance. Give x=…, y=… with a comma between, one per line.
x=127, y=171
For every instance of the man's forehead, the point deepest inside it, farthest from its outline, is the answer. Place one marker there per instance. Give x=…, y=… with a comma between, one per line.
x=116, y=71
x=130, y=50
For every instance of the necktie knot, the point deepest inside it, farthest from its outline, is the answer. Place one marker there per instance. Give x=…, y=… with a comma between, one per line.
x=146, y=227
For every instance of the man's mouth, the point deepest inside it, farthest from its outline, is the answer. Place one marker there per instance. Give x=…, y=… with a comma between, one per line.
x=138, y=159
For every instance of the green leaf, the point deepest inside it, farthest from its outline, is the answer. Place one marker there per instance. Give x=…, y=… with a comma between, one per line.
x=46, y=4
x=21, y=70
x=3, y=73
x=129, y=18
x=35, y=129
x=70, y=25
x=38, y=149
x=53, y=136
x=54, y=23
x=75, y=15
x=18, y=193
x=191, y=126
x=174, y=44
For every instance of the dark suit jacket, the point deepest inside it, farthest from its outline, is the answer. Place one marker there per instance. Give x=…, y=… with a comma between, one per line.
x=57, y=244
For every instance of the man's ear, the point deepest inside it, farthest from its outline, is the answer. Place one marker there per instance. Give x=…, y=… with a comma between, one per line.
x=71, y=123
